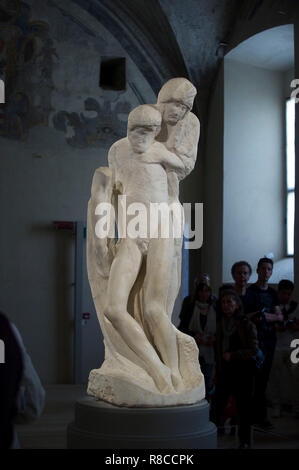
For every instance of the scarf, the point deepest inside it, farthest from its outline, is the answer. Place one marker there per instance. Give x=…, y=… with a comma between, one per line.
x=194, y=324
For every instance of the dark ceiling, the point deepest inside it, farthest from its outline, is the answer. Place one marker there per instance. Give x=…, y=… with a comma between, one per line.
x=167, y=38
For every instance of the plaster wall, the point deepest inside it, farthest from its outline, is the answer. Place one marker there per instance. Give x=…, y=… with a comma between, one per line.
x=253, y=202
x=263, y=18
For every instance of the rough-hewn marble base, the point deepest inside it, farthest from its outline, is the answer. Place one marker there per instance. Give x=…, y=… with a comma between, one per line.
x=100, y=425
x=118, y=391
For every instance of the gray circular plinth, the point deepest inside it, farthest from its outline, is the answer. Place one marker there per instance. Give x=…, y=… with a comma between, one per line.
x=100, y=425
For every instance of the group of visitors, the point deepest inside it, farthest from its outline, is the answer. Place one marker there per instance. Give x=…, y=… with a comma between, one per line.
x=241, y=336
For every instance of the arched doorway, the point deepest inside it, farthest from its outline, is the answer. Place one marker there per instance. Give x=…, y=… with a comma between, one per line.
x=257, y=76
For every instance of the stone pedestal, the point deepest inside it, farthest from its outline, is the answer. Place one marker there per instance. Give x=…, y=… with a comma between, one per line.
x=100, y=425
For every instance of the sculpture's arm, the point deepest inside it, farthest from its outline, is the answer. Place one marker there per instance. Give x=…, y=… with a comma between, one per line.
x=112, y=157
x=159, y=154
x=184, y=143
x=173, y=186
x=101, y=193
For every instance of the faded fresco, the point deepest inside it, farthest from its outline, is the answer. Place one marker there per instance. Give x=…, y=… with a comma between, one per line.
x=31, y=53
x=102, y=128
x=26, y=52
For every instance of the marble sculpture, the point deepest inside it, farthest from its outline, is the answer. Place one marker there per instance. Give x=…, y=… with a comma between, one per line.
x=135, y=279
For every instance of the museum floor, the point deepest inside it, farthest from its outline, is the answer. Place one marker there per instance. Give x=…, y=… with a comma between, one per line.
x=50, y=431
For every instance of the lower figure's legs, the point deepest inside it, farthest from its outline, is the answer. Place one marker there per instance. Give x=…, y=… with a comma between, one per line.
x=124, y=271
x=174, y=286
x=158, y=276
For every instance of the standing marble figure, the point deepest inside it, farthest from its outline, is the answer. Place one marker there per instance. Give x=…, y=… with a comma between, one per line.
x=135, y=280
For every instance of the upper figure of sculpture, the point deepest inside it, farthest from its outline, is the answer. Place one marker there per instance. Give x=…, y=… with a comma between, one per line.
x=180, y=130
x=135, y=281
x=180, y=127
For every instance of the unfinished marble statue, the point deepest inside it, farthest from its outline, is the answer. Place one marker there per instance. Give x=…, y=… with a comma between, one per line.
x=135, y=280
x=180, y=134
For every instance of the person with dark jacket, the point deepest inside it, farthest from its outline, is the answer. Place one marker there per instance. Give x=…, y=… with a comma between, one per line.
x=263, y=308
x=11, y=370
x=283, y=367
x=236, y=348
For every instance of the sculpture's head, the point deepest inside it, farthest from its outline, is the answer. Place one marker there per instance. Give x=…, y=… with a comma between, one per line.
x=144, y=123
x=175, y=99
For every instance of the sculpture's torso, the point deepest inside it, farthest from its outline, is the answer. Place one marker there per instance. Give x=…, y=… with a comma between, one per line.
x=138, y=180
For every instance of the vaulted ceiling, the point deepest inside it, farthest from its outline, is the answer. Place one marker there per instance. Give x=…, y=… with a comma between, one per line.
x=169, y=38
